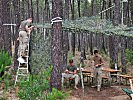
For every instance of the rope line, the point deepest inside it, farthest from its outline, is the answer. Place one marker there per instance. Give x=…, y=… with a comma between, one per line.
x=56, y=19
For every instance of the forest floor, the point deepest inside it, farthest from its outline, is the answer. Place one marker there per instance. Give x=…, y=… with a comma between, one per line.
x=106, y=93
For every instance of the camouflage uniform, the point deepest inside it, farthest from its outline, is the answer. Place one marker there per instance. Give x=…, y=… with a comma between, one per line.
x=23, y=38
x=67, y=75
x=98, y=72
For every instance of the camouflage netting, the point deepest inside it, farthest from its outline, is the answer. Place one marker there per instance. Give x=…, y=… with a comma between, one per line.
x=93, y=24
x=39, y=52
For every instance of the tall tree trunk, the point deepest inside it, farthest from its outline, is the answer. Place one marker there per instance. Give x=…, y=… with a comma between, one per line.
x=110, y=11
x=79, y=44
x=46, y=11
x=86, y=10
x=92, y=7
x=72, y=9
x=128, y=19
x=91, y=43
x=67, y=4
x=32, y=14
x=17, y=21
x=116, y=13
x=111, y=47
x=7, y=29
x=55, y=79
x=115, y=52
x=125, y=6
x=1, y=27
x=103, y=7
x=22, y=10
x=37, y=4
x=79, y=8
x=123, y=55
x=29, y=9
x=79, y=14
x=65, y=35
x=73, y=17
x=83, y=51
x=131, y=9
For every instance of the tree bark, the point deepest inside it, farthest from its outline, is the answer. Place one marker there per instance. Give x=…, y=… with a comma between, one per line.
x=86, y=10
x=91, y=43
x=65, y=35
x=46, y=11
x=110, y=11
x=22, y=10
x=6, y=28
x=92, y=7
x=123, y=55
x=32, y=14
x=37, y=5
x=125, y=8
x=73, y=34
x=79, y=14
x=1, y=28
x=29, y=9
x=55, y=79
x=115, y=52
x=116, y=13
x=17, y=21
x=131, y=9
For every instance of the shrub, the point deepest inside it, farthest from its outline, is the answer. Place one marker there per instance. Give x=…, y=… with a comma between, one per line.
x=37, y=88
x=129, y=55
x=5, y=60
x=56, y=95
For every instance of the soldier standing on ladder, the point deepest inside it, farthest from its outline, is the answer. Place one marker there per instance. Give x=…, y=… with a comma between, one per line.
x=24, y=33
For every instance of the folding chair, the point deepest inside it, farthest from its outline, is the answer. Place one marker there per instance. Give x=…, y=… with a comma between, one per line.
x=128, y=91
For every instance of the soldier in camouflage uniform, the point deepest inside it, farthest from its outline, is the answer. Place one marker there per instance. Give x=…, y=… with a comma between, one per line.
x=98, y=62
x=71, y=72
x=24, y=33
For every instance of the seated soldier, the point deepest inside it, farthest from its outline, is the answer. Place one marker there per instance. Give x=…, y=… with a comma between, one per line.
x=71, y=72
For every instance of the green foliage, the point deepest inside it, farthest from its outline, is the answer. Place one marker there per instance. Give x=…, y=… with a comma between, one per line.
x=56, y=95
x=70, y=56
x=6, y=82
x=37, y=88
x=129, y=55
x=5, y=60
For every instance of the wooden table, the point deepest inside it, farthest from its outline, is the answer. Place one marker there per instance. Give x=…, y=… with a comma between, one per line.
x=108, y=70
x=110, y=73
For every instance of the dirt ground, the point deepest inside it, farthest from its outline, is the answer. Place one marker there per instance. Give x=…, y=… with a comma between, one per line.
x=106, y=93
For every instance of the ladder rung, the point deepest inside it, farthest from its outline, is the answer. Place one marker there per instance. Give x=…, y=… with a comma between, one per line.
x=22, y=75
x=26, y=56
x=23, y=68
x=24, y=63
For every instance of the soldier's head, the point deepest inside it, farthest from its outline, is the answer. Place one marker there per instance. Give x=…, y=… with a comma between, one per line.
x=29, y=20
x=71, y=62
x=96, y=52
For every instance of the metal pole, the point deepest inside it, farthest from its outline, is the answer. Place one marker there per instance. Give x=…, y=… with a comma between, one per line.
x=81, y=75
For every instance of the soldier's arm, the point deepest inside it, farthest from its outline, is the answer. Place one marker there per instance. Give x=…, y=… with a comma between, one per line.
x=28, y=28
x=75, y=71
x=102, y=62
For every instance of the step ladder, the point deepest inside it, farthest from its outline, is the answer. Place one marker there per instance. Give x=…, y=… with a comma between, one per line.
x=23, y=66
